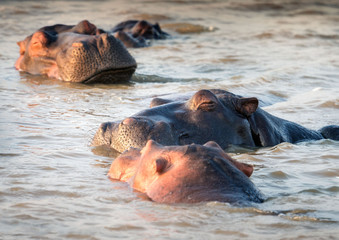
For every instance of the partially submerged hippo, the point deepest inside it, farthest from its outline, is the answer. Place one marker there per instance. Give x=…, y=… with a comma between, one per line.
x=209, y=115
x=80, y=53
x=186, y=174
x=135, y=33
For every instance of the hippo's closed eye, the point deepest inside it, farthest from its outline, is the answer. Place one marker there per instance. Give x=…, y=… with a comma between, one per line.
x=207, y=106
x=184, y=135
x=203, y=100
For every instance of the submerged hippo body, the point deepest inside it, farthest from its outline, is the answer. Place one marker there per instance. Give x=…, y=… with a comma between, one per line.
x=76, y=53
x=209, y=115
x=135, y=33
x=186, y=174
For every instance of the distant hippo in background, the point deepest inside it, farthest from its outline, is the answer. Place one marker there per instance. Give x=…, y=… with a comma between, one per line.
x=135, y=33
x=186, y=174
x=209, y=115
x=76, y=53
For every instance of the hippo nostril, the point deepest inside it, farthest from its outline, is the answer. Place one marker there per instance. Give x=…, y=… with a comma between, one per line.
x=184, y=135
x=129, y=121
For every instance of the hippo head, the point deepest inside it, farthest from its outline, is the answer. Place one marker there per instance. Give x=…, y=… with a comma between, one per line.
x=209, y=115
x=80, y=53
x=147, y=30
x=185, y=174
x=134, y=33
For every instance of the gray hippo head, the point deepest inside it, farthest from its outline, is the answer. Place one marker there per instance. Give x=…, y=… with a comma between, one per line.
x=134, y=33
x=209, y=115
x=80, y=53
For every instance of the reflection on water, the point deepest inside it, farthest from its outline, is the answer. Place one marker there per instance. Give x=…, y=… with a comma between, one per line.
x=54, y=185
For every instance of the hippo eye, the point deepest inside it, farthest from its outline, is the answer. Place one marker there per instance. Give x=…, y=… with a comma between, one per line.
x=207, y=106
x=184, y=135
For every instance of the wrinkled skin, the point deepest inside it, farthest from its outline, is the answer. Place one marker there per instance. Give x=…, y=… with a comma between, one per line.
x=134, y=33
x=186, y=174
x=80, y=53
x=209, y=115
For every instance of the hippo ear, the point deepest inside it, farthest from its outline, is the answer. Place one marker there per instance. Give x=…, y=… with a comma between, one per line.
x=100, y=31
x=22, y=46
x=85, y=27
x=159, y=101
x=213, y=145
x=247, y=169
x=161, y=164
x=39, y=38
x=246, y=106
x=38, y=43
x=157, y=27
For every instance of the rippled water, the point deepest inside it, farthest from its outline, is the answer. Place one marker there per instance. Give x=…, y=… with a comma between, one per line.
x=54, y=185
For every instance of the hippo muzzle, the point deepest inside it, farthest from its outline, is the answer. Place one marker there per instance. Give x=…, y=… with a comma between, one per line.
x=99, y=58
x=133, y=133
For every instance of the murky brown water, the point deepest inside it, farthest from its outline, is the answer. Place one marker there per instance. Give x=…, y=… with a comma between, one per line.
x=54, y=185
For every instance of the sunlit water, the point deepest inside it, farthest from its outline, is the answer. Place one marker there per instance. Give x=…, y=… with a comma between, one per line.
x=54, y=185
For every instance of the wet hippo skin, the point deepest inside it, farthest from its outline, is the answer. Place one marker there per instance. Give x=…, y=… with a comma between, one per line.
x=209, y=115
x=76, y=53
x=135, y=33
x=186, y=174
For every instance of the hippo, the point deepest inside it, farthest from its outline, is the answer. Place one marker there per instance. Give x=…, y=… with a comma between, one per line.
x=76, y=53
x=209, y=115
x=135, y=33
x=186, y=174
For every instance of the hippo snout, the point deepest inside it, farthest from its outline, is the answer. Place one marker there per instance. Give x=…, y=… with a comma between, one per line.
x=99, y=58
x=130, y=132
x=103, y=134
x=133, y=132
